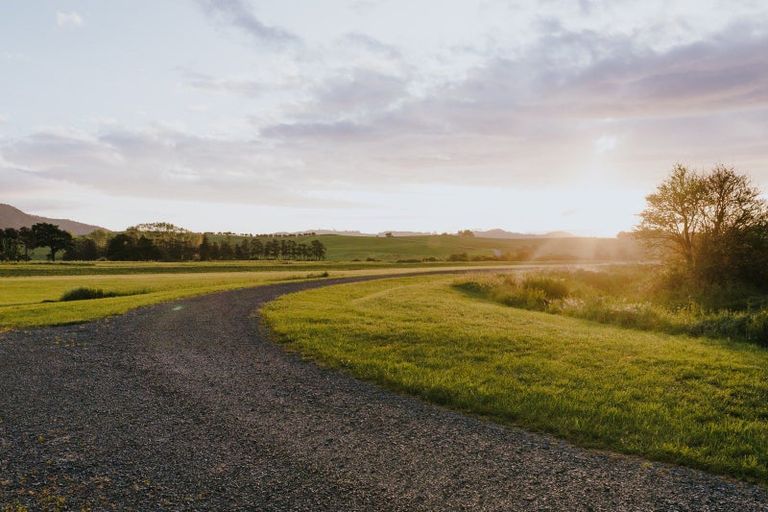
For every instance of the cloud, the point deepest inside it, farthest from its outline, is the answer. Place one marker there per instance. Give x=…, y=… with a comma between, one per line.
x=372, y=45
x=358, y=91
x=68, y=19
x=605, y=144
x=547, y=108
x=160, y=162
x=244, y=87
x=239, y=14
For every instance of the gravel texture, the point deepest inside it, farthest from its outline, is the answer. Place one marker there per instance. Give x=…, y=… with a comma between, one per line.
x=189, y=406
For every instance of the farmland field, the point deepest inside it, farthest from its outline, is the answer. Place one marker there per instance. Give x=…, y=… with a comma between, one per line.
x=391, y=249
x=32, y=297
x=693, y=401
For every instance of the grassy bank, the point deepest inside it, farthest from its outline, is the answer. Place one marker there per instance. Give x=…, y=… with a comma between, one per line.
x=693, y=401
x=622, y=296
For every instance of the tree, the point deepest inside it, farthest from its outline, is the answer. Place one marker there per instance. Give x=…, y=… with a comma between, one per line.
x=27, y=238
x=257, y=248
x=121, y=247
x=225, y=250
x=466, y=233
x=9, y=244
x=716, y=223
x=205, y=249
x=215, y=251
x=317, y=250
x=674, y=213
x=82, y=249
x=51, y=236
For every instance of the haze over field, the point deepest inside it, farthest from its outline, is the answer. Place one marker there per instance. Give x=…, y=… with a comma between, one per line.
x=257, y=116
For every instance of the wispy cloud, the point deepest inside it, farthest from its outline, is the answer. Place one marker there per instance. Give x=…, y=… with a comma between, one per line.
x=239, y=14
x=240, y=86
x=70, y=19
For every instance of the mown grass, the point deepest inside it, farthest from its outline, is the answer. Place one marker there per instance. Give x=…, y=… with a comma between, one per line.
x=35, y=301
x=693, y=401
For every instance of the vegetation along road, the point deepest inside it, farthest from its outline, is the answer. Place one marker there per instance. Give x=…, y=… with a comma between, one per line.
x=188, y=405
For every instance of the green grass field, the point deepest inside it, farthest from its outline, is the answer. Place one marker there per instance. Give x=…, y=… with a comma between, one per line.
x=347, y=248
x=693, y=401
x=386, y=249
x=107, y=268
x=32, y=299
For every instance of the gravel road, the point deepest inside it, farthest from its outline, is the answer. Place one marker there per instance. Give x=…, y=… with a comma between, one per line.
x=189, y=406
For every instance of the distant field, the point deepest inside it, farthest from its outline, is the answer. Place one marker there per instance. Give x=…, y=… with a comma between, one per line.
x=348, y=248
x=88, y=268
x=694, y=401
x=23, y=298
x=442, y=246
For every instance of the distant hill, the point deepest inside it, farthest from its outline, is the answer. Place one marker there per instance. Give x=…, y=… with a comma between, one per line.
x=11, y=217
x=500, y=233
x=491, y=233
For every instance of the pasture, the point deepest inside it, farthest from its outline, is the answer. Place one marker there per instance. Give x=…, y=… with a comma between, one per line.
x=32, y=297
x=694, y=401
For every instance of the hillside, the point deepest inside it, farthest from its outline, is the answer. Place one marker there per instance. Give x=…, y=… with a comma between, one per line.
x=346, y=248
x=11, y=217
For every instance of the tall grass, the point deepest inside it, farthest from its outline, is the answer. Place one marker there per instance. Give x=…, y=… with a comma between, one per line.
x=621, y=296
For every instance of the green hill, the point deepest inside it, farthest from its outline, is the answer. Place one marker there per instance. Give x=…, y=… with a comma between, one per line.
x=348, y=248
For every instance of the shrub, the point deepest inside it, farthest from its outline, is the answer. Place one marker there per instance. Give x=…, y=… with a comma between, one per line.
x=551, y=288
x=459, y=257
x=526, y=298
x=627, y=297
x=83, y=293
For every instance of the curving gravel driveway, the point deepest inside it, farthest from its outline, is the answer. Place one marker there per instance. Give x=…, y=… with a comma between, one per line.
x=188, y=406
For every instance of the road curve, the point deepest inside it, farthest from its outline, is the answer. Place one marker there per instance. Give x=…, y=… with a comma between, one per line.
x=188, y=406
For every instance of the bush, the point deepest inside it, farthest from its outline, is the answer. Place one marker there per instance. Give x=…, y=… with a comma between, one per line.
x=83, y=293
x=551, y=288
x=459, y=257
x=621, y=296
x=526, y=298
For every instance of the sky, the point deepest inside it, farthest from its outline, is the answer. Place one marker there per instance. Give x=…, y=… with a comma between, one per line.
x=372, y=115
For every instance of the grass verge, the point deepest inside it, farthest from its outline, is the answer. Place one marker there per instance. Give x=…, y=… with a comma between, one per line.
x=694, y=401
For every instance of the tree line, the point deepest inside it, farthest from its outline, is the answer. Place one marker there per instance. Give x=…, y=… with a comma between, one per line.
x=152, y=242
x=17, y=244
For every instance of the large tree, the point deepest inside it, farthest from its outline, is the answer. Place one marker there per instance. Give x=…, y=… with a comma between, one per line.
x=673, y=215
x=715, y=222
x=51, y=236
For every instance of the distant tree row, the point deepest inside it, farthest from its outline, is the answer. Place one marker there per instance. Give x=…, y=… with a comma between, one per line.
x=258, y=249
x=152, y=242
x=17, y=244
x=166, y=242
